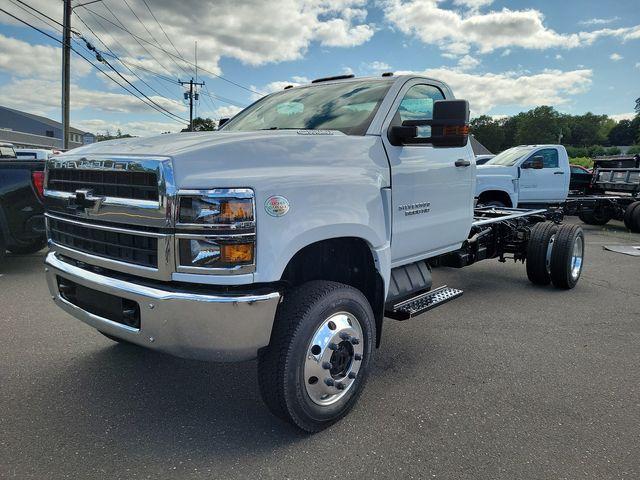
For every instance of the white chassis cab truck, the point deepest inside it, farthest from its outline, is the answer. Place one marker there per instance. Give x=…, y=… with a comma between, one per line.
x=288, y=235
x=527, y=175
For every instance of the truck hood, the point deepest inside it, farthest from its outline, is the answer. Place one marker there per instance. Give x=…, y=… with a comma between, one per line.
x=485, y=170
x=204, y=160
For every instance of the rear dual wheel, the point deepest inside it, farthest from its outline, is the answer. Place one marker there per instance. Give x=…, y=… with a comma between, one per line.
x=555, y=254
x=599, y=216
x=632, y=217
x=316, y=364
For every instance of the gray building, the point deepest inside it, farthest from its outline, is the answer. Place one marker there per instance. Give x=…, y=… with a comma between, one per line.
x=26, y=130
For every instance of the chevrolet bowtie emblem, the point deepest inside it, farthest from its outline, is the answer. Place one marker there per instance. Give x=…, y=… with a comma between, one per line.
x=84, y=200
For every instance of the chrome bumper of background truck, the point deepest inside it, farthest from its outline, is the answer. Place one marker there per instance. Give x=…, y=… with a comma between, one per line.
x=200, y=326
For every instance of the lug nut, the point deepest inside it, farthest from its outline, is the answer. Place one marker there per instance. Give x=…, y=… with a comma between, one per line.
x=355, y=341
x=333, y=346
x=340, y=386
x=345, y=336
x=357, y=357
x=327, y=365
x=329, y=382
x=352, y=375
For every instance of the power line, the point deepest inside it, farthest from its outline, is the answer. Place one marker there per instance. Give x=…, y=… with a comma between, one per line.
x=143, y=99
x=116, y=56
x=39, y=12
x=163, y=30
x=152, y=36
x=140, y=39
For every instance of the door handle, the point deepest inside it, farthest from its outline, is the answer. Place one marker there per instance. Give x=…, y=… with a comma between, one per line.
x=558, y=173
x=461, y=162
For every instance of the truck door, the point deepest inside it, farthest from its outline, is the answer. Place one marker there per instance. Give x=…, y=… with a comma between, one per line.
x=432, y=188
x=545, y=185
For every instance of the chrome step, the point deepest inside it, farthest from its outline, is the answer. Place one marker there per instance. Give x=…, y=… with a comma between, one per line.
x=422, y=303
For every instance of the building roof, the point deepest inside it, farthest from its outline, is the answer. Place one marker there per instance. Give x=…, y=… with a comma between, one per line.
x=44, y=120
x=36, y=141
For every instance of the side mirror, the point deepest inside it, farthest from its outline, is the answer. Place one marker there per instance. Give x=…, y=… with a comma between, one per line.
x=537, y=163
x=449, y=126
x=222, y=121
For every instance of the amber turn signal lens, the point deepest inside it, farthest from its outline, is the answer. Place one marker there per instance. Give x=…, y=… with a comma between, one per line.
x=236, y=210
x=237, y=253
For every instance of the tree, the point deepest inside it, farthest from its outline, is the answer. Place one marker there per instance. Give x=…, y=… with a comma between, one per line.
x=202, y=125
x=588, y=129
x=638, y=105
x=540, y=125
x=488, y=132
x=622, y=133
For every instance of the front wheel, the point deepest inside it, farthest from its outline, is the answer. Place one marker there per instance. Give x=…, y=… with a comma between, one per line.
x=316, y=364
x=33, y=246
x=599, y=216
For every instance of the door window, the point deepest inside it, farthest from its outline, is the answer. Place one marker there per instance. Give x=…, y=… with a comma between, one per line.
x=549, y=156
x=417, y=104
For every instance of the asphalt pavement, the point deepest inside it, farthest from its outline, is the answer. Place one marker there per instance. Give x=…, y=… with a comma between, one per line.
x=510, y=381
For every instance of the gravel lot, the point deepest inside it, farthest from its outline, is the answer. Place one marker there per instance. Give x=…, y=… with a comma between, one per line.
x=509, y=381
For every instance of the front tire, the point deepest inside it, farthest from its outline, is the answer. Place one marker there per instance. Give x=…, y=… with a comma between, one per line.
x=567, y=257
x=596, y=217
x=29, y=248
x=321, y=348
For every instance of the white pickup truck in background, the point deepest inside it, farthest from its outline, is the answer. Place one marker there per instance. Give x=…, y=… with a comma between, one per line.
x=525, y=175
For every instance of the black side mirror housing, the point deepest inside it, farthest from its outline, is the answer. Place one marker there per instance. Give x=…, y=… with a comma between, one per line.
x=536, y=163
x=449, y=126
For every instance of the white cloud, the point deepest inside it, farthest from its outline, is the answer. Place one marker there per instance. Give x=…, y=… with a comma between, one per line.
x=457, y=31
x=638, y=65
x=490, y=90
x=41, y=100
x=622, y=116
x=599, y=21
x=506, y=53
x=468, y=63
x=377, y=67
x=226, y=111
x=19, y=58
x=255, y=32
x=558, y=57
x=616, y=57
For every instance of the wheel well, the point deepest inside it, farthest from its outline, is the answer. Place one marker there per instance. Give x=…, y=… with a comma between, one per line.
x=495, y=195
x=345, y=260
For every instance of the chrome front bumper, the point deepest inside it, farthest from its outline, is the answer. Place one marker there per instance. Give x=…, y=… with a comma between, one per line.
x=207, y=327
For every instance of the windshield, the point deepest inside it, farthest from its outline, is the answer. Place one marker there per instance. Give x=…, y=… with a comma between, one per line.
x=510, y=157
x=7, y=152
x=348, y=107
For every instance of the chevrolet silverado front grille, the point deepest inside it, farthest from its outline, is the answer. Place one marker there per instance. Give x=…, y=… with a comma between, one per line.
x=105, y=183
x=122, y=246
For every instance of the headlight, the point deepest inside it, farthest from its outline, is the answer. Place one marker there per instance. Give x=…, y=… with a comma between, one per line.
x=216, y=230
x=213, y=253
x=213, y=209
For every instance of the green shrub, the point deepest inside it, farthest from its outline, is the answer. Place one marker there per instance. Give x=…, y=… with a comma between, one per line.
x=576, y=152
x=613, y=151
x=634, y=150
x=595, y=151
x=582, y=161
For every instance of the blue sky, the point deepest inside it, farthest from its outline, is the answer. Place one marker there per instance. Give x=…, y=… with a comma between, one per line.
x=504, y=56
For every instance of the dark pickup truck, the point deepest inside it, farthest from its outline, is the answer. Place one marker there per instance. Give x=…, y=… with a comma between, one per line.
x=22, y=229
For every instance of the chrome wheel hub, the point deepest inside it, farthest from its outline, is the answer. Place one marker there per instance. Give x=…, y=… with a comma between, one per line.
x=333, y=358
x=576, y=258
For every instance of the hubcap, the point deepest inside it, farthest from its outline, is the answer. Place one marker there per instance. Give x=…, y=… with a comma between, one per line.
x=576, y=258
x=333, y=358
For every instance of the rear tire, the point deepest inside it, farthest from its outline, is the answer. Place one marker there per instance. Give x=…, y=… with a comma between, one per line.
x=538, y=252
x=29, y=248
x=567, y=256
x=300, y=380
x=3, y=247
x=596, y=217
x=632, y=217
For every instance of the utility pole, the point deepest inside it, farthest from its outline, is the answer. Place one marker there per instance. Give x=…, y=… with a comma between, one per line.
x=66, y=71
x=191, y=96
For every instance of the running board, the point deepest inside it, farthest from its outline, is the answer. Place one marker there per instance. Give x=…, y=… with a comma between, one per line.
x=422, y=303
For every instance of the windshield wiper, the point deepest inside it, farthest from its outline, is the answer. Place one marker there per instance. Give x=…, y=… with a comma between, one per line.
x=287, y=128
